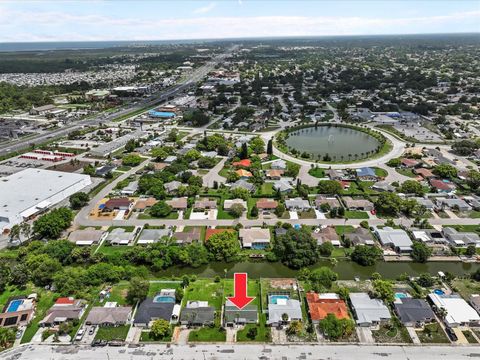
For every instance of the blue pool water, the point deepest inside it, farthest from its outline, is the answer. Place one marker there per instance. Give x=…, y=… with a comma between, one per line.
x=161, y=114
x=439, y=292
x=14, y=305
x=274, y=298
x=400, y=295
x=163, y=299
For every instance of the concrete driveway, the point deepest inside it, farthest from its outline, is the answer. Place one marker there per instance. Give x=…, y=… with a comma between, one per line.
x=365, y=335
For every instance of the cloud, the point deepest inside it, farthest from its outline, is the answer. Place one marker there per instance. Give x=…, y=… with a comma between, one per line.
x=205, y=9
x=68, y=26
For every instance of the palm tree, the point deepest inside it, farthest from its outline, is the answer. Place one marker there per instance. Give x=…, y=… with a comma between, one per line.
x=14, y=233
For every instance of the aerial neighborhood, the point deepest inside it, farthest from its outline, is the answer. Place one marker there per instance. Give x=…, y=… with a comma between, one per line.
x=347, y=190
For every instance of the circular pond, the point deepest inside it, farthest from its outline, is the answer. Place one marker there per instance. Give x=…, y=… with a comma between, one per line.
x=339, y=142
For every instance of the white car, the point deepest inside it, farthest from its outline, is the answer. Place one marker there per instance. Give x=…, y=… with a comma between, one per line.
x=80, y=334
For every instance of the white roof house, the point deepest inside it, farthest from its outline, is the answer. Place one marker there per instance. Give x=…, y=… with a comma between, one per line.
x=395, y=238
x=257, y=238
x=368, y=311
x=30, y=191
x=459, y=312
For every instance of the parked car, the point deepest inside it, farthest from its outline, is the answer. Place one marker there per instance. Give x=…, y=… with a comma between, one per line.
x=99, y=343
x=451, y=334
x=80, y=334
x=115, y=343
x=91, y=331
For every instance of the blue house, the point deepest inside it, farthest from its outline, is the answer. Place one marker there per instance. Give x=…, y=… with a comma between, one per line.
x=366, y=174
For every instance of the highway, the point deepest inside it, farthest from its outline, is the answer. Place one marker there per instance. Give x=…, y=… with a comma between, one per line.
x=155, y=99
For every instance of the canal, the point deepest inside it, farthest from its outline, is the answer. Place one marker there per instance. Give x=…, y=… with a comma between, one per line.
x=345, y=269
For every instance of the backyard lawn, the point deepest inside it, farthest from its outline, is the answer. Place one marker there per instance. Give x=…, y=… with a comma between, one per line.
x=112, y=333
x=156, y=287
x=317, y=172
x=205, y=290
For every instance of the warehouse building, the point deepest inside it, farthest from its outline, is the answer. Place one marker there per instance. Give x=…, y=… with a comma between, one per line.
x=32, y=191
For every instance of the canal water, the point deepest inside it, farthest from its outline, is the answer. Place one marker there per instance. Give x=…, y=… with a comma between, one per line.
x=345, y=269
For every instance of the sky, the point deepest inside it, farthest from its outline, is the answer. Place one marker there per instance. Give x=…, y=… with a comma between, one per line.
x=102, y=20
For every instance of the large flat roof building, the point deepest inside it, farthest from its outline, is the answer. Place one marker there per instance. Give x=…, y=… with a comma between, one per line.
x=31, y=191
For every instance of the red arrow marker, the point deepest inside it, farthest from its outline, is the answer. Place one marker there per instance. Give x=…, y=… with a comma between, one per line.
x=240, y=298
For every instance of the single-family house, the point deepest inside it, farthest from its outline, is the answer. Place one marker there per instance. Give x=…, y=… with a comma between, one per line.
x=86, y=237
x=366, y=174
x=255, y=238
x=172, y=186
x=453, y=204
x=187, y=237
x=320, y=305
x=361, y=236
x=282, y=185
x=144, y=203
x=335, y=174
x=150, y=236
x=235, y=316
x=178, y=204
x=278, y=165
x=205, y=204
x=130, y=189
x=326, y=233
x=397, y=239
x=461, y=239
x=64, y=309
x=426, y=174
x=117, y=204
x=408, y=163
x=109, y=315
x=243, y=184
x=280, y=305
x=297, y=204
x=243, y=174
x=274, y=174
x=161, y=306
x=368, y=312
x=18, y=311
x=332, y=202
x=197, y=313
x=383, y=186
x=413, y=312
x=358, y=204
x=442, y=186
x=266, y=205
x=245, y=163
x=458, y=311
x=120, y=236
x=227, y=204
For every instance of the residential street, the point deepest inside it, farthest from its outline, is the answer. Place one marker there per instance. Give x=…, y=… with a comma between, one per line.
x=243, y=352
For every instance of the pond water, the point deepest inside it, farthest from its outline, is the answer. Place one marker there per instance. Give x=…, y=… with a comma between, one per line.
x=346, y=270
x=340, y=143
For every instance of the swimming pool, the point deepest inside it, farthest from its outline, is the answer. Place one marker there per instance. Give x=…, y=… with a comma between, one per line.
x=273, y=299
x=400, y=295
x=163, y=299
x=14, y=305
x=439, y=292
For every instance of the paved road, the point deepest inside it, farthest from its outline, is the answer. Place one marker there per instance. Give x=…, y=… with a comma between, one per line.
x=244, y=352
x=155, y=99
x=212, y=175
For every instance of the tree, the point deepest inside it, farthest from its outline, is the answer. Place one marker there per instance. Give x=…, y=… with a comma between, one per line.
x=7, y=337
x=236, y=210
x=254, y=211
x=279, y=210
x=159, y=153
x=14, y=233
x=473, y=179
x=394, y=162
x=137, y=290
x=161, y=209
x=296, y=248
x=240, y=193
x=323, y=276
x=131, y=160
x=471, y=250
x=292, y=169
x=42, y=268
x=294, y=328
x=160, y=329
x=196, y=117
x=334, y=328
x=130, y=145
x=412, y=187
x=89, y=169
x=330, y=187
x=252, y=333
x=420, y=252
x=243, y=151
x=388, y=203
x=366, y=255
x=326, y=249
x=192, y=155
x=425, y=280
x=270, y=147
x=383, y=289
x=223, y=246
x=52, y=224
x=257, y=145
x=79, y=200
x=445, y=171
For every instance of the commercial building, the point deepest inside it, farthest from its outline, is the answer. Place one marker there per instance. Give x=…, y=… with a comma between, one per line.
x=32, y=191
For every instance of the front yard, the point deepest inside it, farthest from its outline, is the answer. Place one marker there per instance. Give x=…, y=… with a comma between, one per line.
x=433, y=333
x=110, y=333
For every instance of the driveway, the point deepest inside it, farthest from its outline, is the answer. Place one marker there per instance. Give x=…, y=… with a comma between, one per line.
x=319, y=214
x=365, y=335
x=293, y=215
x=279, y=336
x=413, y=335
x=212, y=175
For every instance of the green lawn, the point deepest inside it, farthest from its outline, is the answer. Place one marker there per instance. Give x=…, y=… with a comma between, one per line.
x=263, y=331
x=112, y=333
x=394, y=332
x=406, y=172
x=146, y=216
x=207, y=334
x=433, y=333
x=344, y=229
x=205, y=290
x=45, y=302
x=469, y=336
x=380, y=172
x=266, y=189
x=145, y=337
x=355, y=214
x=156, y=287
x=253, y=290
x=119, y=293
x=317, y=172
